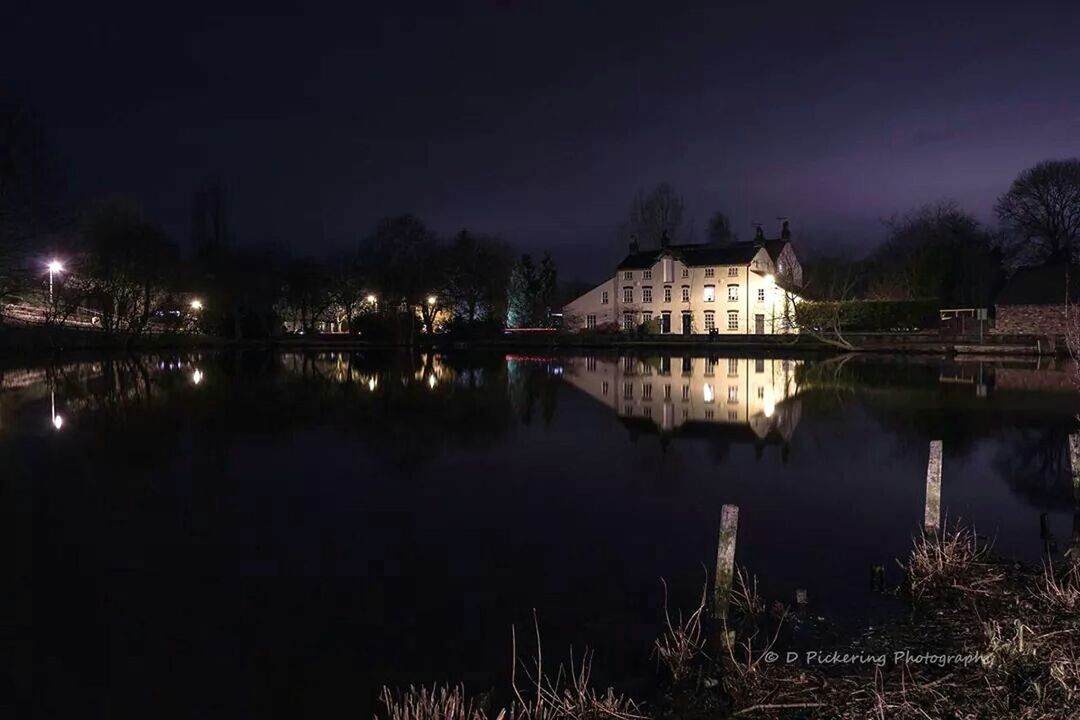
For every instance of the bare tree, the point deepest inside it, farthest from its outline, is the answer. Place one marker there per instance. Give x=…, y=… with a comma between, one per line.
x=655, y=215
x=1041, y=211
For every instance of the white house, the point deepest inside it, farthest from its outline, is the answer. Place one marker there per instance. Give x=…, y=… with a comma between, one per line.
x=739, y=288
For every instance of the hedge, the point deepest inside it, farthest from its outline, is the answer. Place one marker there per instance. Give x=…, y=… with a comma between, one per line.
x=868, y=315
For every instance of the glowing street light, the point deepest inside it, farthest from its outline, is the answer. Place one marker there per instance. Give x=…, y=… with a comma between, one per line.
x=197, y=376
x=55, y=267
x=196, y=305
x=371, y=299
x=431, y=300
x=431, y=381
x=58, y=422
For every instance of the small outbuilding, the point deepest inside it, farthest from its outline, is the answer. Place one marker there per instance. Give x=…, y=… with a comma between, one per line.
x=1034, y=301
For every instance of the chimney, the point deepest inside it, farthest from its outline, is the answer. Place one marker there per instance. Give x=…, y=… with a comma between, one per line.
x=785, y=231
x=664, y=239
x=633, y=244
x=759, y=234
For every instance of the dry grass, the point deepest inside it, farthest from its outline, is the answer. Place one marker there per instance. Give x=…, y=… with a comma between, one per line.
x=439, y=703
x=681, y=643
x=1060, y=590
x=951, y=560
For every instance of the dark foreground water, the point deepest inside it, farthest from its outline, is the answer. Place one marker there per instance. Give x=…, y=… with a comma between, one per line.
x=241, y=535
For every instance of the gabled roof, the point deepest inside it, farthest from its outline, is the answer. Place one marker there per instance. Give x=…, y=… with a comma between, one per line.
x=738, y=253
x=1041, y=285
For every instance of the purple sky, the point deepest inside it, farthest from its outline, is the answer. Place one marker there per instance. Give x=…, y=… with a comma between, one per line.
x=540, y=121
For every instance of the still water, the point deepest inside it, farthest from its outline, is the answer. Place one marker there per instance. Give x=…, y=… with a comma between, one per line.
x=241, y=534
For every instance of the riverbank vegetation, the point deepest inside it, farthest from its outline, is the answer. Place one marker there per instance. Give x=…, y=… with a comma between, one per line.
x=985, y=638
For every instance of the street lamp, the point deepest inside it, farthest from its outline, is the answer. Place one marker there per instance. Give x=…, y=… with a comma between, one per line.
x=196, y=305
x=431, y=300
x=55, y=267
x=371, y=299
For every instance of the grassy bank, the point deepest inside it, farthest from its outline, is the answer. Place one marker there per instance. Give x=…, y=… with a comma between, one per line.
x=984, y=638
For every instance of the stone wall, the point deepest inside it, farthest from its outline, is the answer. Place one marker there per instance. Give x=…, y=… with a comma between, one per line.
x=1030, y=320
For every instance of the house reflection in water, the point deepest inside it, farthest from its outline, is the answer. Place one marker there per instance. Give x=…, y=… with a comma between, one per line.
x=749, y=400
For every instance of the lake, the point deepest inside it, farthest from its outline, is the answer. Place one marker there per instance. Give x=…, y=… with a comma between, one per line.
x=246, y=534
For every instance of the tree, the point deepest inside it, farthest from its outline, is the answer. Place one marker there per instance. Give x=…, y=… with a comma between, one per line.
x=1041, y=212
x=477, y=272
x=937, y=251
x=306, y=296
x=654, y=214
x=347, y=287
x=720, y=229
x=546, y=282
x=521, y=293
x=210, y=225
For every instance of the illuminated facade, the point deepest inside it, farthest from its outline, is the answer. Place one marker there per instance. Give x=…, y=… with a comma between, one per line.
x=738, y=289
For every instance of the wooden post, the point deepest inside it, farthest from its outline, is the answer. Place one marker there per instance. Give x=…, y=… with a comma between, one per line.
x=1074, y=461
x=932, y=519
x=725, y=560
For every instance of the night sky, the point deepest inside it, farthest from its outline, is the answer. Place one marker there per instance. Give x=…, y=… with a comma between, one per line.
x=540, y=121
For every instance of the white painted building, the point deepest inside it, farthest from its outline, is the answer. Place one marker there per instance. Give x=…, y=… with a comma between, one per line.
x=742, y=288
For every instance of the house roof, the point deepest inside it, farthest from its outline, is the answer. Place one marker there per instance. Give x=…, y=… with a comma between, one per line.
x=738, y=253
x=1041, y=285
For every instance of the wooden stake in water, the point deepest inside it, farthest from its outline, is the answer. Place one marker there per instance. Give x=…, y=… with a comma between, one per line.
x=1074, y=460
x=932, y=520
x=725, y=560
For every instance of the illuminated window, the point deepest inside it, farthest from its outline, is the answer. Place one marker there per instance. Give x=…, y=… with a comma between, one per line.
x=733, y=394
x=733, y=272
x=686, y=293
x=646, y=294
x=590, y=321
x=710, y=321
x=603, y=298
x=710, y=272
x=628, y=294
x=732, y=293
x=761, y=294
x=733, y=320
x=707, y=393
x=709, y=293
x=667, y=294
x=647, y=275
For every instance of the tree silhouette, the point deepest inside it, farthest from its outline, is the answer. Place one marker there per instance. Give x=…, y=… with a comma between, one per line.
x=1041, y=212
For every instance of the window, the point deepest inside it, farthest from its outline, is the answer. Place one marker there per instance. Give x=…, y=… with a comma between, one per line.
x=628, y=321
x=733, y=272
x=590, y=364
x=707, y=393
x=628, y=390
x=628, y=275
x=761, y=294
x=760, y=393
x=710, y=272
x=733, y=393
x=710, y=293
x=710, y=367
x=647, y=411
x=667, y=391
x=667, y=293
x=709, y=414
x=685, y=413
x=646, y=316
x=733, y=367
x=590, y=321
x=646, y=391
x=687, y=365
x=733, y=320
x=686, y=272
x=686, y=293
x=759, y=365
x=603, y=298
x=604, y=387
x=646, y=294
x=628, y=294
x=686, y=393
x=732, y=293
x=733, y=415
x=710, y=321
x=647, y=275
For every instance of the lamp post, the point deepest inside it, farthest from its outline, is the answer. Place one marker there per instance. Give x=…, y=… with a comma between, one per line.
x=55, y=267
